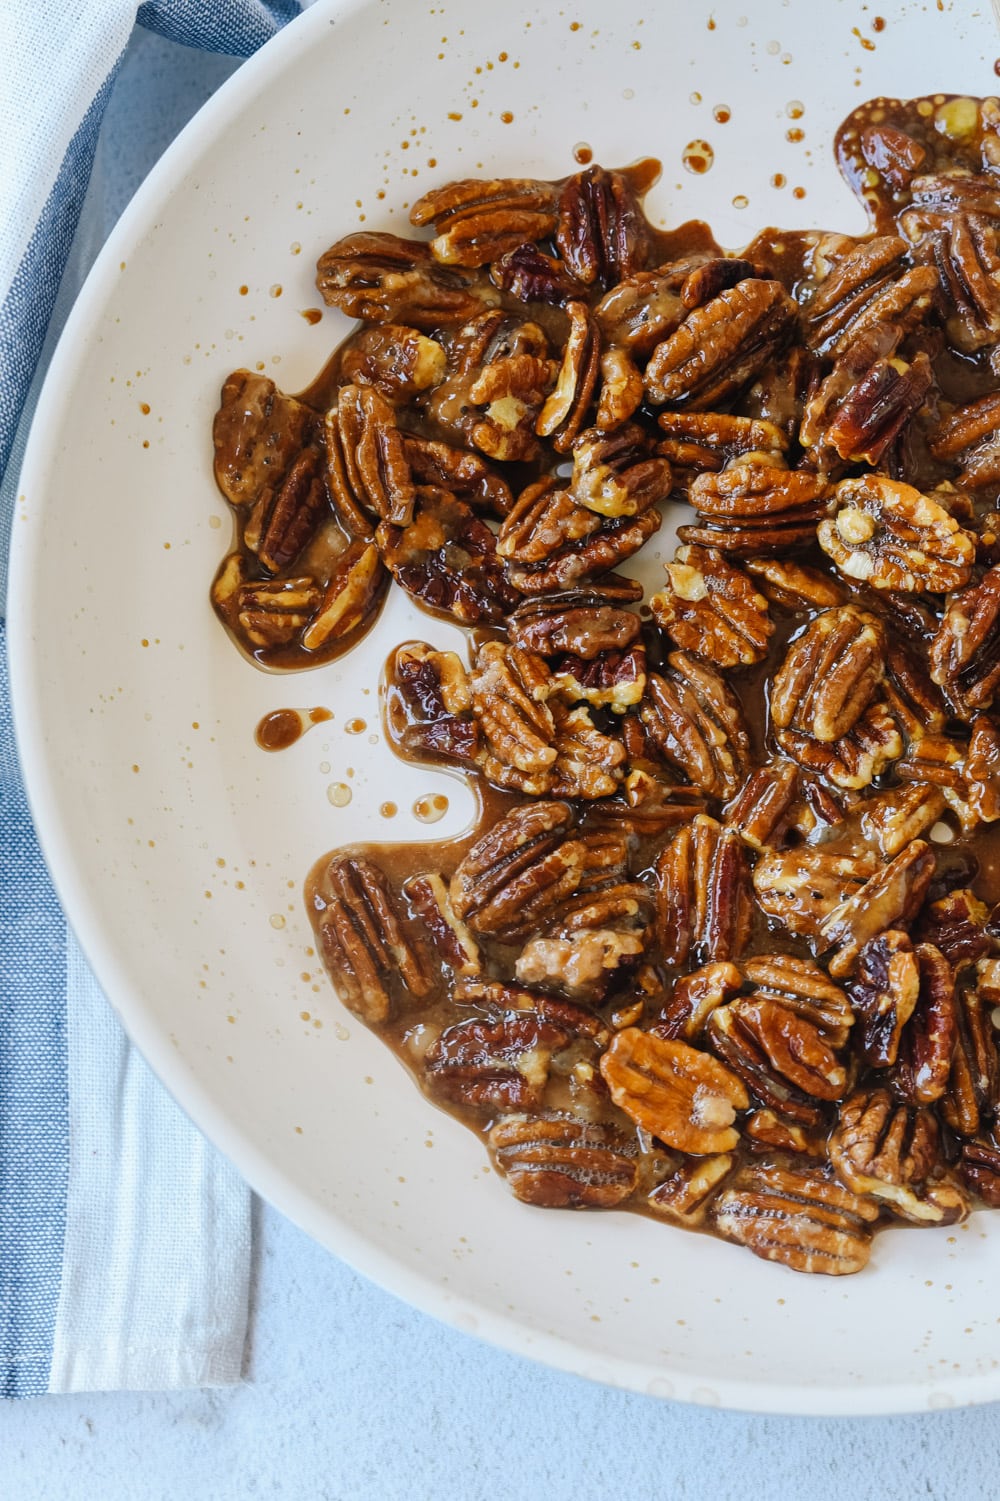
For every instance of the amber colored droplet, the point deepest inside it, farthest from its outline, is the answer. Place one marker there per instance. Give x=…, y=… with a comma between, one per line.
x=312, y=314
x=865, y=41
x=878, y=23
x=795, y=109
x=144, y=408
x=388, y=810
x=454, y=115
x=741, y=201
x=244, y=291
x=275, y=290
x=722, y=114
x=711, y=23
x=697, y=156
x=507, y=117
x=144, y=641
x=282, y=727
x=582, y=153
x=339, y=794
x=798, y=192
x=145, y=442
x=795, y=135
x=574, y=25
x=320, y=715
x=356, y=726
x=778, y=180
x=694, y=98
x=431, y=808
x=501, y=57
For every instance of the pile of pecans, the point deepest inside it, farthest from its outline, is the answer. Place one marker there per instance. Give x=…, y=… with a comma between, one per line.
x=723, y=947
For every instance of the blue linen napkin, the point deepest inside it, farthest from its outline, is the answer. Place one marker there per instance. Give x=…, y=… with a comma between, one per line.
x=96, y=1162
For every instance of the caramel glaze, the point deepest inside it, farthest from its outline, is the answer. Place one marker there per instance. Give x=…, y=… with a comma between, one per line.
x=785, y=255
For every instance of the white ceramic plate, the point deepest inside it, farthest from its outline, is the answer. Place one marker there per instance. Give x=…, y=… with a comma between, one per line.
x=179, y=848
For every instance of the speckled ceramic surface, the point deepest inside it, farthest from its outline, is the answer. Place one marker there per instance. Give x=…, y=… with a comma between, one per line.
x=179, y=846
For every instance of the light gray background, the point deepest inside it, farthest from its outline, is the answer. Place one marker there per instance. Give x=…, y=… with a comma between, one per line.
x=350, y=1395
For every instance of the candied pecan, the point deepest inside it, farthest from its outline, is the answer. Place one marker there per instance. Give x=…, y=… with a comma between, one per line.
x=965, y=653
x=446, y=558
x=867, y=399
x=550, y=543
x=588, y=763
x=721, y=346
x=477, y=220
x=891, y=536
x=516, y=875
x=258, y=433
x=711, y=608
x=887, y=1151
x=892, y=895
x=957, y=925
x=686, y=1195
x=286, y=516
x=584, y=622
x=497, y=1060
x=493, y=995
x=372, y=954
x=891, y=819
x=508, y=689
x=603, y=235
x=863, y=284
x=916, y=705
x=829, y=674
x=621, y=389
x=928, y=1041
x=559, y=1162
x=973, y=1096
x=769, y=1131
x=399, y=361
x=686, y=1099
x=713, y=276
x=795, y=586
x=352, y=593
x=801, y=887
x=385, y=279
x=800, y=1219
x=883, y=992
x=650, y=806
x=368, y=469
x=781, y=1057
x=694, y=997
x=271, y=613
x=561, y=417
x=705, y=442
x=703, y=906
x=766, y=804
x=428, y=899
x=645, y=308
x=895, y=156
x=980, y=1169
x=695, y=723
x=754, y=508
x=511, y=390
x=614, y=680
x=961, y=247
x=803, y=988
x=595, y=934
x=970, y=435
x=499, y=371
x=779, y=394
x=615, y=474
x=460, y=471
x=427, y=704
x=532, y=276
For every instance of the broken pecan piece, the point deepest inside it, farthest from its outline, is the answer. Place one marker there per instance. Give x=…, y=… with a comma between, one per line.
x=711, y=608
x=893, y=895
x=559, y=1162
x=685, y=1197
x=891, y=536
x=686, y=1099
x=695, y=723
x=980, y=1169
x=615, y=474
x=385, y=279
x=703, y=907
x=371, y=952
x=478, y=220
x=694, y=998
x=614, y=680
x=446, y=558
x=720, y=346
x=427, y=704
x=883, y=992
x=532, y=276
x=566, y=405
x=965, y=653
x=800, y=1219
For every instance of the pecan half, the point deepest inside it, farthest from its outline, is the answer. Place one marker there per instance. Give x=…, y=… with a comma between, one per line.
x=695, y=723
x=508, y=690
x=703, y=907
x=614, y=680
x=532, y=276
x=711, y=608
x=621, y=389
x=960, y=245
x=565, y=408
x=550, y=543
x=352, y=594
x=258, y=433
x=428, y=899
x=685, y=1197
x=459, y=471
x=500, y=1060
x=780, y=1056
x=829, y=674
x=603, y=235
x=385, y=279
x=799, y=1219
x=694, y=998
x=427, y=704
x=372, y=954
x=928, y=1042
x=446, y=558
x=720, y=346
x=795, y=586
x=890, y=897
x=767, y=805
x=596, y=933
x=883, y=992
x=965, y=653
x=755, y=508
x=686, y=1099
x=615, y=474
x=957, y=925
x=584, y=622
x=561, y=1163
x=970, y=435
x=891, y=819
x=518, y=873
x=980, y=1169
x=887, y=1151
x=857, y=758
x=706, y=442
x=891, y=536
x=477, y=220
x=864, y=284
x=801, y=887
x=644, y=308
x=398, y=361
x=588, y=764
x=973, y=1097
x=803, y=988
x=368, y=469
x=265, y=615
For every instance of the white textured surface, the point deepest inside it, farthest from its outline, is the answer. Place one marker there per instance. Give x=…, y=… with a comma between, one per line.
x=352, y=1396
